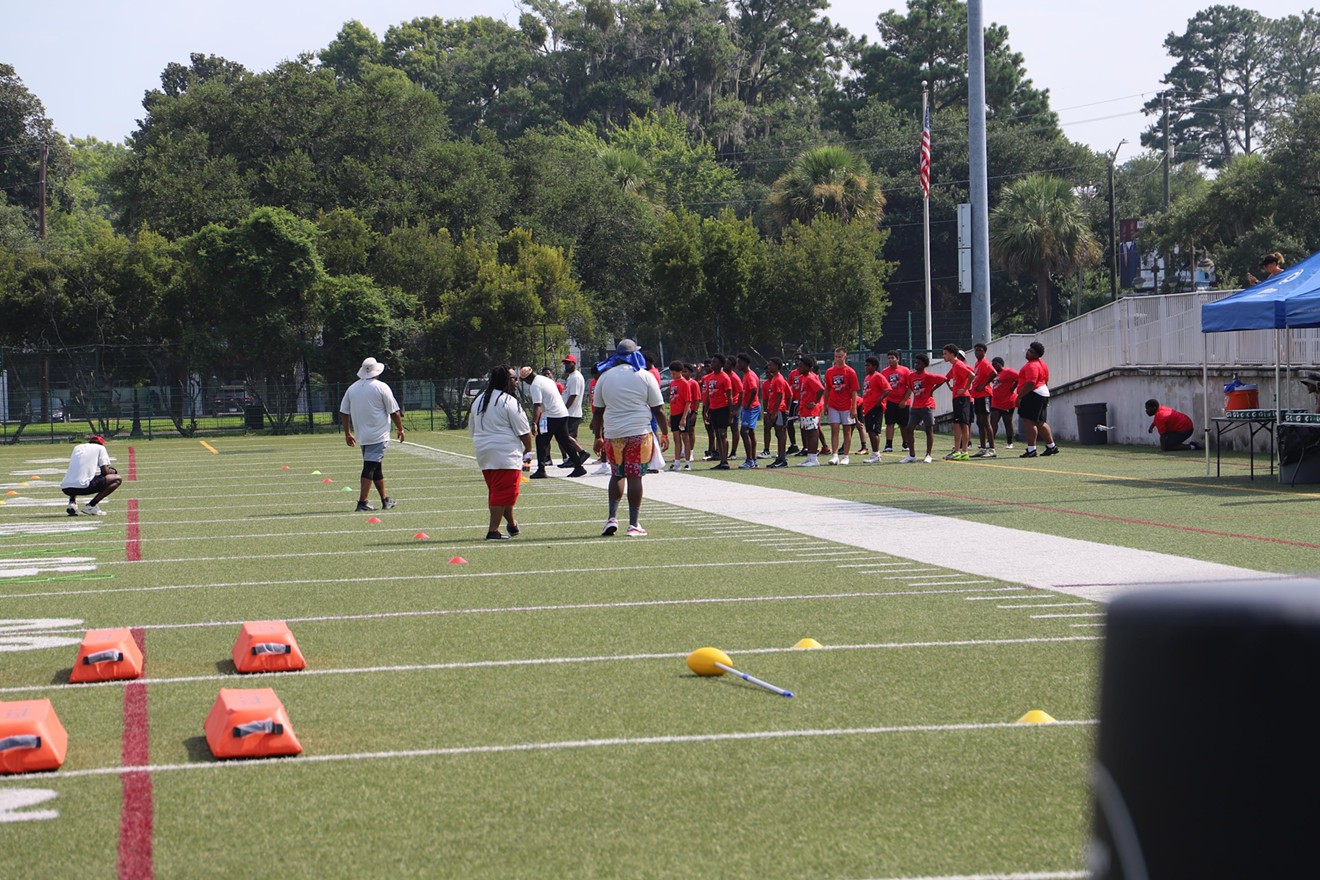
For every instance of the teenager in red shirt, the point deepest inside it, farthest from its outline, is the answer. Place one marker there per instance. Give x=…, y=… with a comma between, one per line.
x=876, y=389
x=777, y=397
x=896, y=401
x=680, y=405
x=1033, y=397
x=811, y=401
x=694, y=398
x=921, y=385
x=716, y=390
x=795, y=391
x=840, y=397
x=983, y=374
x=1003, y=397
x=750, y=412
x=1175, y=427
x=959, y=378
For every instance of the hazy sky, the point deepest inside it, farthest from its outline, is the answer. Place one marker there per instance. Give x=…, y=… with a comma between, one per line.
x=90, y=62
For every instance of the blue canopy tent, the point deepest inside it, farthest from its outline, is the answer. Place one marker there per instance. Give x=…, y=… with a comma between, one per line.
x=1289, y=300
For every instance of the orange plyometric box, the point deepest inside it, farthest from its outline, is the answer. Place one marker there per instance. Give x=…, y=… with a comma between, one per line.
x=31, y=737
x=107, y=654
x=250, y=724
x=267, y=646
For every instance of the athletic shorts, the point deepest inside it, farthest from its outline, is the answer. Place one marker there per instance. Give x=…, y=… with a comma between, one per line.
x=962, y=410
x=750, y=418
x=374, y=451
x=981, y=406
x=874, y=419
x=719, y=418
x=840, y=416
x=793, y=411
x=921, y=417
x=779, y=420
x=572, y=423
x=1005, y=415
x=674, y=422
x=809, y=423
x=896, y=413
x=1174, y=439
x=93, y=488
x=629, y=456
x=502, y=487
x=1033, y=407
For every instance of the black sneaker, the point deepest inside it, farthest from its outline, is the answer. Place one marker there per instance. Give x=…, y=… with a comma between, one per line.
x=1193, y=445
x=792, y=450
x=496, y=536
x=388, y=503
x=1030, y=453
x=801, y=453
x=539, y=474
x=578, y=471
x=565, y=464
x=722, y=466
x=778, y=463
x=514, y=531
x=71, y=510
x=747, y=465
x=364, y=507
x=888, y=449
x=1050, y=450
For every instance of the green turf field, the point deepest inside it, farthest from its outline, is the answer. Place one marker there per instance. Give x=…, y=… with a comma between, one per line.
x=528, y=713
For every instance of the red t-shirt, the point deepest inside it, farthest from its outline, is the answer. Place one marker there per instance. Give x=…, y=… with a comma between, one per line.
x=877, y=386
x=1033, y=373
x=922, y=387
x=717, y=386
x=811, y=390
x=895, y=376
x=1003, y=389
x=959, y=379
x=777, y=394
x=841, y=384
x=1169, y=419
x=794, y=384
x=679, y=396
x=751, y=385
x=694, y=392
x=983, y=374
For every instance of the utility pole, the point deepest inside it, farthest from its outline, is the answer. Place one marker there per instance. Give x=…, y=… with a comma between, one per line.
x=1168, y=148
x=980, y=184
x=41, y=186
x=1113, y=232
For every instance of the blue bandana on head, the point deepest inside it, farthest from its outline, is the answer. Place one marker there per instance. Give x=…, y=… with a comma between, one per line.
x=634, y=359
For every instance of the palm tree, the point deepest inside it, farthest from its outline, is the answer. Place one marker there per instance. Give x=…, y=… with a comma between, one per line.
x=827, y=180
x=1040, y=229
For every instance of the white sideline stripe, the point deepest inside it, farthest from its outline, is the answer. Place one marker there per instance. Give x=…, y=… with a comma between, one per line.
x=1053, y=616
x=405, y=577
x=559, y=745
x=874, y=564
x=519, y=609
x=1051, y=605
x=538, y=661
x=938, y=583
x=1000, y=598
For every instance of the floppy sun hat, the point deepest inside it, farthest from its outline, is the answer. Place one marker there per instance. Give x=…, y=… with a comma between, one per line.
x=370, y=369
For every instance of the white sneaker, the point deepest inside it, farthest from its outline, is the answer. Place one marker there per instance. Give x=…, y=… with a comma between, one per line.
x=926, y=459
x=990, y=453
x=843, y=459
x=872, y=459
x=763, y=454
x=810, y=461
x=687, y=465
x=636, y=531
x=72, y=509
x=1010, y=445
x=603, y=469
x=611, y=526
x=92, y=510
x=675, y=466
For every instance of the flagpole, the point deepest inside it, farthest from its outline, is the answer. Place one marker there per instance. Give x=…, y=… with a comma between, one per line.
x=925, y=216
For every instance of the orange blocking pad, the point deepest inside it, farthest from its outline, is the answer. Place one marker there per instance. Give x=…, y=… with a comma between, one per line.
x=267, y=646
x=249, y=724
x=31, y=737
x=106, y=655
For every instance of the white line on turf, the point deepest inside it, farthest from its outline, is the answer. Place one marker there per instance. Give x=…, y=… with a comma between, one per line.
x=560, y=745
x=999, y=598
x=1054, y=616
x=1052, y=605
x=542, y=661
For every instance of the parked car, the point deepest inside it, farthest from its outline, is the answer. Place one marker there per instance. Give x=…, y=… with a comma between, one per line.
x=473, y=387
x=231, y=399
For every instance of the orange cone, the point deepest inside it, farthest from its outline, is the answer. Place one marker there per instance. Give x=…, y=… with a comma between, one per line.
x=374, y=519
x=249, y=723
x=106, y=655
x=266, y=646
x=31, y=737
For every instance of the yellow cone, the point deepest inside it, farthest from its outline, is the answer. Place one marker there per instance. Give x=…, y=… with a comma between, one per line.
x=702, y=661
x=316, y=473
x=808, y=643
x=1036, y=716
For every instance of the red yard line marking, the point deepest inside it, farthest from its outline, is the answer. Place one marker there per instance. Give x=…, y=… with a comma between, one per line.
x=133, y=533
x=136, y=813
x=132, y=464
x=1041, y=507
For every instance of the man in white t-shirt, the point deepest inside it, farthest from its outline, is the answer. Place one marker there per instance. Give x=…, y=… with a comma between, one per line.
x=575, y=387
x=625, y=401
x=89, y=473
x=547, y=402
x=368, y=407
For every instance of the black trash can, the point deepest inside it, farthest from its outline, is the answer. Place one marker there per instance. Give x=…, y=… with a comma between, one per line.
x=1090, y=418
x=254, y=417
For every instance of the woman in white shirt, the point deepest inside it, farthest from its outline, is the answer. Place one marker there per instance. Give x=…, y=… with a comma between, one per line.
x=503, y=441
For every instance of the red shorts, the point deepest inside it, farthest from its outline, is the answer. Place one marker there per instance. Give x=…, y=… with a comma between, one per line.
x=503, y=486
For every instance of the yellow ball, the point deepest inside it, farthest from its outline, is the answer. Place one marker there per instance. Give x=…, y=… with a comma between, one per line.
x=702, y=661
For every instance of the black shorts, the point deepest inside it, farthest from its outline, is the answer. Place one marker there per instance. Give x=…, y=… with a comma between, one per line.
x=779, y=420
x=962, y=410
x=94, y=487
x=1033, y=407
x=1005, y=415
x=896, y=413
x=674, y=424
x=874, y=419
x=719, y=418
x=1174, y=439
x=981, y=406
x=921, y=417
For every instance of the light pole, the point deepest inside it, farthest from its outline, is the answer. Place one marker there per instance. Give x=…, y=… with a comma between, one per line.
x=1113, y=234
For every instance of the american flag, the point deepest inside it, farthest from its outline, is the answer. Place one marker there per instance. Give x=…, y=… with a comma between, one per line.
x=924, y=170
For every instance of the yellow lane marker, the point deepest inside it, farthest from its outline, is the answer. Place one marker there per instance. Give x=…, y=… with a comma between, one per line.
x=209, y=447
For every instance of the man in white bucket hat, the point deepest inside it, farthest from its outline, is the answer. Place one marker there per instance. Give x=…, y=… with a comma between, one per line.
x=369, y=406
